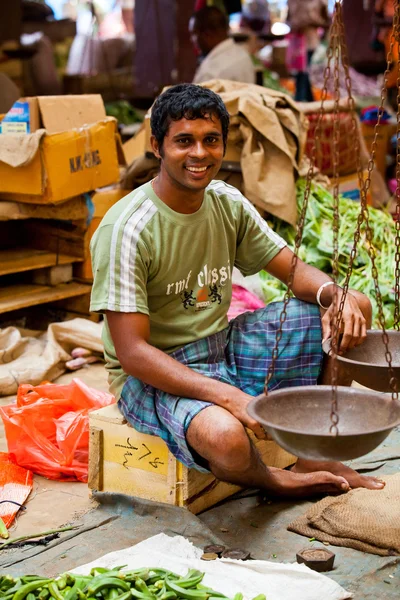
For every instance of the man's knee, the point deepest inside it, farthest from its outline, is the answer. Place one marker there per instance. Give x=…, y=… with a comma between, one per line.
x=219, y=437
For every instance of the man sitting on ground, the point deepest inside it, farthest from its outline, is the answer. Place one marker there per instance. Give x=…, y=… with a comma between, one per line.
x=223, y=58
x=162, y=263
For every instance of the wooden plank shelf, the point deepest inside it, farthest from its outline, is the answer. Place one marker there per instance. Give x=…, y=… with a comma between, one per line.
x=18, y=260
x=14, y=297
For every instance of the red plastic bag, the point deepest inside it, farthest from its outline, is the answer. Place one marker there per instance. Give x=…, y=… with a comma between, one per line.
x=48, y=429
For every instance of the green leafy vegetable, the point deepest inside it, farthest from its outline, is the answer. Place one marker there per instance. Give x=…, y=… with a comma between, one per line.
x=317, y=247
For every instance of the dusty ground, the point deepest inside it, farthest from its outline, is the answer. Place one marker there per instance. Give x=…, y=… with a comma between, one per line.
x=54, y=503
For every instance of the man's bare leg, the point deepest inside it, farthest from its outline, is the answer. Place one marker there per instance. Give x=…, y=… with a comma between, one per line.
x=221, y=439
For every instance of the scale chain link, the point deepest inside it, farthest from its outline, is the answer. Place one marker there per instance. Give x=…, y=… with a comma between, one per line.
x=396, y=324
x=301, y=220
x=335, y=49
x=364, y=187
x=335, y=322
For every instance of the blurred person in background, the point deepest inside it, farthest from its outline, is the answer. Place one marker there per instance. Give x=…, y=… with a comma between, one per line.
x=305, y=18
x=222, y=58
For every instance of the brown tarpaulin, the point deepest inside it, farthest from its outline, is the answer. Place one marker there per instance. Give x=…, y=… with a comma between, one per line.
x=272, y=132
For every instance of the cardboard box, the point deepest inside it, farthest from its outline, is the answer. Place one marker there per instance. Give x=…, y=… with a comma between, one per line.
x=62, y=113
x=102, y=200
x=125, y=461
x=135, y=146
x=70, y=162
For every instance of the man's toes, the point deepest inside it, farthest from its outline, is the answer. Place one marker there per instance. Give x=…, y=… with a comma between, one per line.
x=330, y=482
x=373, y=483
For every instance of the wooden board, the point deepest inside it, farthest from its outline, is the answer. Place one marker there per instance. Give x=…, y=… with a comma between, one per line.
x=17, y=260
x=14, y=297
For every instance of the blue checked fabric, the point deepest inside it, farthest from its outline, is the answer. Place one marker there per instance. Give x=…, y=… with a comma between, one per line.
x=239, y=355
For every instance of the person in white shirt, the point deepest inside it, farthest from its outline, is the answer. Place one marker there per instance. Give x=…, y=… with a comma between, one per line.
x=223, y=59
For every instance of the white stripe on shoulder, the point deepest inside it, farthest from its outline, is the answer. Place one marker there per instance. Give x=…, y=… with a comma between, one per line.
x=237, y=196
x=113, y=247
x=132, y=230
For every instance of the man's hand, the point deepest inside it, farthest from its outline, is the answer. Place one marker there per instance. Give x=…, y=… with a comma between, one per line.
x=237, y=406
x=130, y=333
x=354, y=325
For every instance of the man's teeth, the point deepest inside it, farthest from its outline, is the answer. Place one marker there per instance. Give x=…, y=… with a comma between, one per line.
x=197, y=169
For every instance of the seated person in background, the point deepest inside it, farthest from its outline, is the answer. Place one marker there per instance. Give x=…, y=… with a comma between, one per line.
x=223, y=59
x=162, y=263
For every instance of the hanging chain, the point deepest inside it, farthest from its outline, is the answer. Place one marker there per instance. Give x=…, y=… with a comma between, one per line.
x=335, y=322
x=364, y=185
x=301, y=220
x=396, y=324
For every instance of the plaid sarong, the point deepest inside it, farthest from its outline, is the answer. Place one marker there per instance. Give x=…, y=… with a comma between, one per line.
x=239, y=355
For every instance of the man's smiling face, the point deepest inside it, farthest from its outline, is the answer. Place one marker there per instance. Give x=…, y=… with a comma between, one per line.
x=192, y=152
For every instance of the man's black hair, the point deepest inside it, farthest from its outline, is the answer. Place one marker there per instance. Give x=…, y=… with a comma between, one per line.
x=186, y=101
x=210, y=18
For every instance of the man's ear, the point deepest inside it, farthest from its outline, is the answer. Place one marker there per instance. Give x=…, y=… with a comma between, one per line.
x=155, y=147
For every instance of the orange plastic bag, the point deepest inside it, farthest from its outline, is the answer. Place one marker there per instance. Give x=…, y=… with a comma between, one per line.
x=15, y=484
x=48, y=429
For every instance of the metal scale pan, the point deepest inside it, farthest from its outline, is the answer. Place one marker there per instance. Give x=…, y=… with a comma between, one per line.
x=367, y=364
x=297, y=419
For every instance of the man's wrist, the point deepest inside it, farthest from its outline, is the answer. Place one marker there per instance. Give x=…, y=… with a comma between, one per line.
x=326, y=294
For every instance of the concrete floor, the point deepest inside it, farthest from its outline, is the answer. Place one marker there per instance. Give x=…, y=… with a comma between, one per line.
x=54, y=503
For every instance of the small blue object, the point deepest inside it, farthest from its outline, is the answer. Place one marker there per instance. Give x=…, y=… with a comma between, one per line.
x=352, y=194
x=17, y=120
x=369, y=115
x=90, y=207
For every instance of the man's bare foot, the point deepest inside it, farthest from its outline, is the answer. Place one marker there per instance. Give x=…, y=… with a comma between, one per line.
x=354, y=479
x=302, y=485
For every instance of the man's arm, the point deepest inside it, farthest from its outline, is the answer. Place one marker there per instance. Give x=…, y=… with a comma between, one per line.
x=306, y=283
x=130, y=333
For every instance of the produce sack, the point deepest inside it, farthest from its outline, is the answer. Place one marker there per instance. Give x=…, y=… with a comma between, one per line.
x=47, y=429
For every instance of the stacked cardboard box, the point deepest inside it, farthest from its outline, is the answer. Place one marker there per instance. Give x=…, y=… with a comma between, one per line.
x=54, y=152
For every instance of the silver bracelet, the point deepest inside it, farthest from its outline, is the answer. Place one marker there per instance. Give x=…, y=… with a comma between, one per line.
x=318, y=297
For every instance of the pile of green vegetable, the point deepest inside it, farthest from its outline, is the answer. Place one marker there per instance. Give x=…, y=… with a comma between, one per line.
x=317, y=247
x=113, y=584
x=124, y=112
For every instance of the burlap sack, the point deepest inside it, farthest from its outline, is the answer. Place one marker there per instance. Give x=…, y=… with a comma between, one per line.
x=33, y=358
x=19, y=150
x=365, y=520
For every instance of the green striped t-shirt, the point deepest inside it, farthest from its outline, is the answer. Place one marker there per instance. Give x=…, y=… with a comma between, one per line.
x=175, y=267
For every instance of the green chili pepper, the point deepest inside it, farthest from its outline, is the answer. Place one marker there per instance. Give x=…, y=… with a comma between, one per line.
x=55, y=591
x=106, y=582
x=30, y=587
x=61, y=582
x=136, y=594
x=192, y=579
x=125, y=596
x=18, y=583
x=183, y=592
x=168, y=596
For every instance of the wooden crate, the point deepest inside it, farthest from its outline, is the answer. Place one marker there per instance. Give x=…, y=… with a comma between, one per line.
x=125, y=461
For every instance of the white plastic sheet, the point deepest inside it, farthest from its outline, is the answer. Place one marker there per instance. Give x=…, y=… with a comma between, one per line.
x=277, y=581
